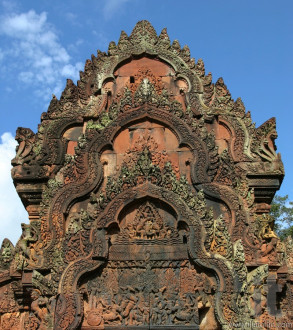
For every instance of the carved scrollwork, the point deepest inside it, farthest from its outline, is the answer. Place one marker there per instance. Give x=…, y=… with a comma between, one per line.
x=145, y=186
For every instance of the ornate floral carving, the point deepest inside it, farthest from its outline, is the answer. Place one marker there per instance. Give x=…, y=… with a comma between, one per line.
x=226, y=172
x=289, y=253
x=6, y=254
x=218, y=239
x=263, y=141
x=136, y=225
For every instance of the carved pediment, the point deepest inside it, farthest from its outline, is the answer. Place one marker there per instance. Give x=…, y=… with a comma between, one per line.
x=148, y=190
x=147, y=226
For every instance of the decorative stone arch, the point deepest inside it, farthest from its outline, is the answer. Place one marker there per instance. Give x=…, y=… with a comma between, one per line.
x=92, y=173
x=225, y=195
x=68, y=288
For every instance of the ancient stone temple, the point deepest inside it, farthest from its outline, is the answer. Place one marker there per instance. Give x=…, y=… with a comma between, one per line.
x=148, y=190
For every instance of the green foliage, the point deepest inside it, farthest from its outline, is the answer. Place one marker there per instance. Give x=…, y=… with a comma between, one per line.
x=282, y=212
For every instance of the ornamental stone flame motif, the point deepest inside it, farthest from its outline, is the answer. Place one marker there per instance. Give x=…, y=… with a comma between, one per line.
x=148, y=190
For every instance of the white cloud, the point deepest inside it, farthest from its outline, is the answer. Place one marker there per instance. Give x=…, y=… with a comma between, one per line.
x=12, y=212
x=75, y=47
x=34, y=46
x=26, y=77
x=25, y=25
x=111, y=7
x=73, y=19
x=71, y=16
x=70, y=70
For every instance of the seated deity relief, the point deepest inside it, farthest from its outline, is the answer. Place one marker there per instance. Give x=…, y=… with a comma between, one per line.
x=147, y=225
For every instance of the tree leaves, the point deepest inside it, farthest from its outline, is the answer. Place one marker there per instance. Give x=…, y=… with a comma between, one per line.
x=282, y=211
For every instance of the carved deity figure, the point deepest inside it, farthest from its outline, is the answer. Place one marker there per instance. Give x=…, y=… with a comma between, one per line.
x=265, y=223
x=39, y=306
x=147, y=228
x=25, y=251
x=128, y=307
x=6, y=253
x=26, y=138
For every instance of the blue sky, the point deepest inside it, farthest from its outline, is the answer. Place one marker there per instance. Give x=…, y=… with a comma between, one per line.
x=248, y=43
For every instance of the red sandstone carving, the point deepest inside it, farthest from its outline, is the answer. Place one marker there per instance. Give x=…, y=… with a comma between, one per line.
x=148, y=190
